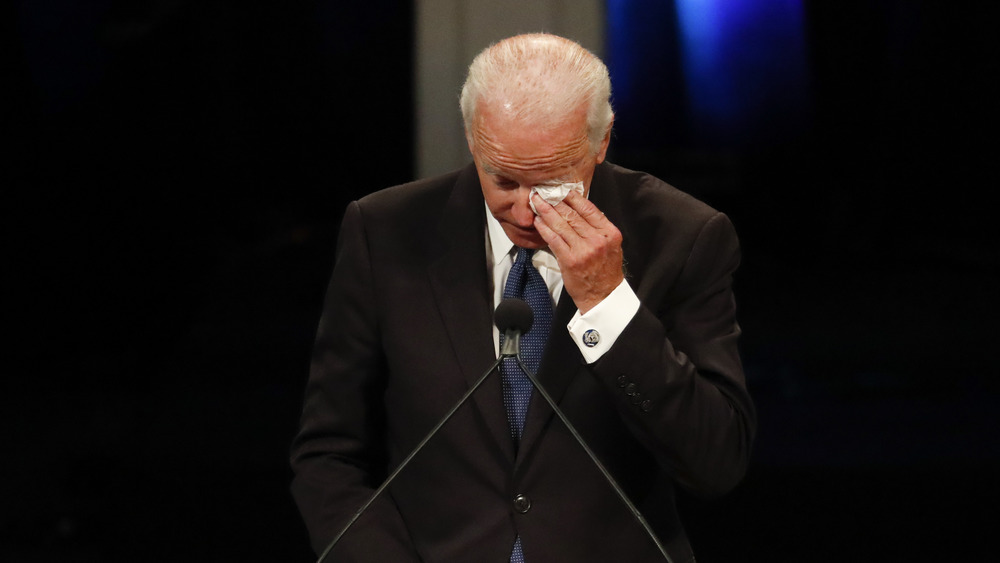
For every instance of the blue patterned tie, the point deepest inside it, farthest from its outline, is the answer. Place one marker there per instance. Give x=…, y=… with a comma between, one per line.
x=524, y=282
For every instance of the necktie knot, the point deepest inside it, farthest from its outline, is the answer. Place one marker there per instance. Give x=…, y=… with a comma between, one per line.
x=517, y=278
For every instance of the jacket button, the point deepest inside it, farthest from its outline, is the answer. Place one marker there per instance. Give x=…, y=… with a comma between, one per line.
x=622, y=381
x=630, y=389
x=646, y=406
x=522, y=504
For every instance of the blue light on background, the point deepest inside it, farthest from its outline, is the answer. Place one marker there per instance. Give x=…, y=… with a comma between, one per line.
x=644, y=62
x=739, y=65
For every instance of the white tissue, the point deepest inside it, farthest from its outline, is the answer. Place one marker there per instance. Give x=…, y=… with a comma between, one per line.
x=554, y=193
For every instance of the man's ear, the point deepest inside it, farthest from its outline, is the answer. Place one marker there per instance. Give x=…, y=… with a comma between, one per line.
x=602, y=152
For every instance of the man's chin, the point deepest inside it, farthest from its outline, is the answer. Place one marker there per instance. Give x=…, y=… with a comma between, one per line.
x=526, y=239
x=532, y=245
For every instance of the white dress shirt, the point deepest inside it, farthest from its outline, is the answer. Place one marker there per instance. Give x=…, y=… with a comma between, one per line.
x=608, y=318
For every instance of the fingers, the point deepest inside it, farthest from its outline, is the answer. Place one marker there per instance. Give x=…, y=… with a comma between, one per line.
x=587, y=246
x=586, y=210
x=554, y=240
x=553, y=226
x=572, y=220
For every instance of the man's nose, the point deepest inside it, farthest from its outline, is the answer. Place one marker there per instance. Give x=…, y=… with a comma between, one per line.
x=521, y=210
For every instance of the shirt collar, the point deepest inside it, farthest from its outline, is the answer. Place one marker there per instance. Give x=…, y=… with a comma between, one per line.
x=500, y=244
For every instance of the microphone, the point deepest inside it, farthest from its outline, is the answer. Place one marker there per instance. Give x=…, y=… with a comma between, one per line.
x=513, y=317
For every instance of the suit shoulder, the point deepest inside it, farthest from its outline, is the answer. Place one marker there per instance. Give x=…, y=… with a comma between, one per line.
x=411, y=197
x=655, y=199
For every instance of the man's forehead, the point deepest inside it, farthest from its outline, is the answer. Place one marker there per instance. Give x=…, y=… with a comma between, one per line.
x=495, y=156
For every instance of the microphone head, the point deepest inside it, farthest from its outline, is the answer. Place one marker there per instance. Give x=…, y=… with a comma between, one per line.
x=513, y=314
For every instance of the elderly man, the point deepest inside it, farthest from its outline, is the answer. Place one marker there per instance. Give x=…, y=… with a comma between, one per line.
x=635, y=338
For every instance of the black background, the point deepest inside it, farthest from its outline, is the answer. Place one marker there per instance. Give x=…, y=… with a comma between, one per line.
x=174, y=177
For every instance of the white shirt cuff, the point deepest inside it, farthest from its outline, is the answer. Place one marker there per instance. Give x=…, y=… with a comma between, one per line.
x=596, y=331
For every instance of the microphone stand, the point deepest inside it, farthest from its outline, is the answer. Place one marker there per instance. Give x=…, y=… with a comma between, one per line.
x=593, y=457
x=510, y=348
x=385, y=484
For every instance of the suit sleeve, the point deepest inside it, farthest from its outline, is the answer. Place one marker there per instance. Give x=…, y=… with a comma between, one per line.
x=676, y=374
x=339, y=454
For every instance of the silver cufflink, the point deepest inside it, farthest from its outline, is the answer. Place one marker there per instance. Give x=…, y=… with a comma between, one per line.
x=591, y=338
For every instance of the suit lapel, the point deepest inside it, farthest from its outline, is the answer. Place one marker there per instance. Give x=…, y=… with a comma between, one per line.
x=561, y=363
x=459, y=280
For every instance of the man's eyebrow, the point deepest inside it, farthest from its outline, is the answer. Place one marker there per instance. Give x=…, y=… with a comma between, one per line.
x=490, y=169
x=556, y=181
x=494, y=171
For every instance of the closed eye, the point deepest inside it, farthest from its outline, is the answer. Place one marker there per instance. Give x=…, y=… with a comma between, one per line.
x=505, y=183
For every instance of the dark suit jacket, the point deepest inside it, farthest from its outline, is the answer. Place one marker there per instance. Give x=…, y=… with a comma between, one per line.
x=406, y=328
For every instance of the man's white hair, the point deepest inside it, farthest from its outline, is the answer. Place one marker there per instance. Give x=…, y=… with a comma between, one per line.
x=539, y=79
